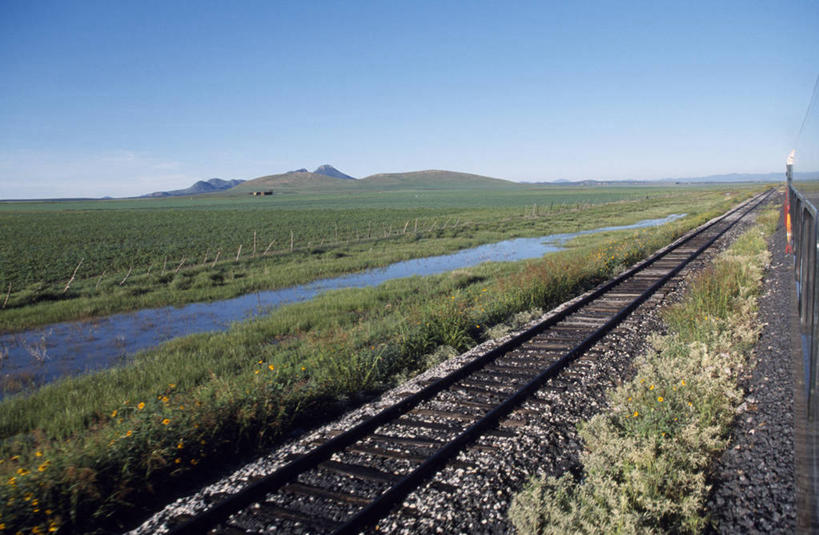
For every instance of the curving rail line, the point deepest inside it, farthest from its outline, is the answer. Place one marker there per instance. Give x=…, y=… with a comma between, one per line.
x=349, y=482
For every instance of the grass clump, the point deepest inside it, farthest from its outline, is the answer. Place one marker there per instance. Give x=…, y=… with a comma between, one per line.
x=647, y=457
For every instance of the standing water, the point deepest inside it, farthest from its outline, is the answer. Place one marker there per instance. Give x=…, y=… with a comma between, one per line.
x=47, y=353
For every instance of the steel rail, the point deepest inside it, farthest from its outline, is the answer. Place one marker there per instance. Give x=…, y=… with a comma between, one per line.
x=221, y=511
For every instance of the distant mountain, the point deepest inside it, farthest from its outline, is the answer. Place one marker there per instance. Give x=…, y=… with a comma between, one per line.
x=732, y=177
x=329, y=170
x=294, y=181
x=434, y=179
x=729, y=178
x=302, y=170
x=202, y=186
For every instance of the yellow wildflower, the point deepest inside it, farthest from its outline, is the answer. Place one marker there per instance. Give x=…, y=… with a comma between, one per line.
x=129, y=433
x=660, y=399
x=271, y=367
x=166, y=421
x=114, y=414
x=651, y=387
x=636, y=414
x=141, y=405
x=38, y=454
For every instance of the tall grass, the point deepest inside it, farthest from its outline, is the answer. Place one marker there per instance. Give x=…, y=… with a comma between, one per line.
x=646, y=462
x=90, y=448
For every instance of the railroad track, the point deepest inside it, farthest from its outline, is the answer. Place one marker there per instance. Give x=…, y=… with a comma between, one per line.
x=357, y=477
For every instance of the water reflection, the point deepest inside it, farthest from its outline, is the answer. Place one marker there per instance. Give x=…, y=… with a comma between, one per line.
x=68, y=348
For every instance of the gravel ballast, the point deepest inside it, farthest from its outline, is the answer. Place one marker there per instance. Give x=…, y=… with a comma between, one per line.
x=754, y=490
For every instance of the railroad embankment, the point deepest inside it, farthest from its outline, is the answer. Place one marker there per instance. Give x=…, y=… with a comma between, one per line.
x=648, y=459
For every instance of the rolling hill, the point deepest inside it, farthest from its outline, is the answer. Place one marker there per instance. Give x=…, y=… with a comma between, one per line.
x=293, y=182
x=433, y=179
x=329, y=181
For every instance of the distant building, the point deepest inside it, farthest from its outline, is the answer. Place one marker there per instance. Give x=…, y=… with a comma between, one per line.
x=260, y=193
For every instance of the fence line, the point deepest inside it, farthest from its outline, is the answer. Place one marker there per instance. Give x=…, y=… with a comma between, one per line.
x=370, y=236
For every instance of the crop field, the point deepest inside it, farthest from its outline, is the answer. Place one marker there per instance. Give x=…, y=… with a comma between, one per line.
x=75, y=259
x=90, y=448
x=43, y=242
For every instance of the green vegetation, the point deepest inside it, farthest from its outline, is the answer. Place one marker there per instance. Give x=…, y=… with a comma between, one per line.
x=146, y=253
x=84, y=451
x=647, y=457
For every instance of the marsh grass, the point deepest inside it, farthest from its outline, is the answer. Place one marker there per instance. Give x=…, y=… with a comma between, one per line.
x=646, y=462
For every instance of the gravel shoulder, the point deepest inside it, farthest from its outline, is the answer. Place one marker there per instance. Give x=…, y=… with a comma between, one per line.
x=754, y=487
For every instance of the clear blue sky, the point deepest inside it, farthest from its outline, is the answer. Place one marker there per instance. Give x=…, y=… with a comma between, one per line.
x=127, y=97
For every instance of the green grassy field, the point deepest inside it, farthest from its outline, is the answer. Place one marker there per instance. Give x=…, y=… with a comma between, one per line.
x=90, y=449
x=131, y=254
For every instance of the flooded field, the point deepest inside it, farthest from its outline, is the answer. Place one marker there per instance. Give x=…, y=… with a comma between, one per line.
x=44, y=354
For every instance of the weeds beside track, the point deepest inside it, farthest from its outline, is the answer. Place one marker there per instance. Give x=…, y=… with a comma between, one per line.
x=647, y=459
